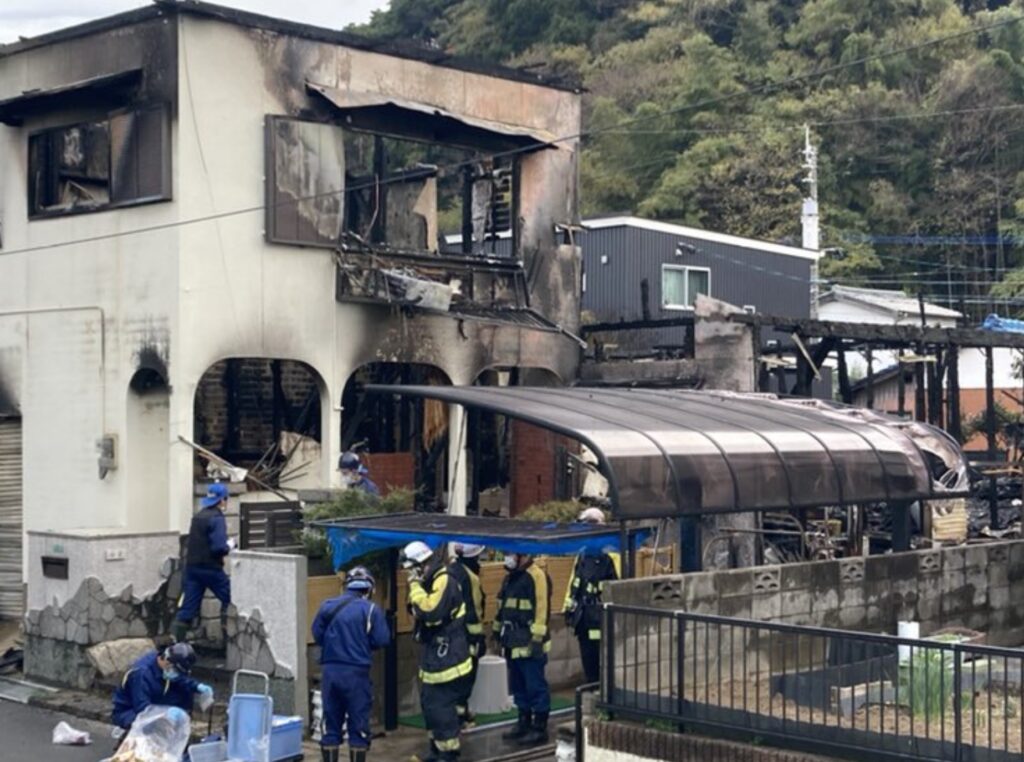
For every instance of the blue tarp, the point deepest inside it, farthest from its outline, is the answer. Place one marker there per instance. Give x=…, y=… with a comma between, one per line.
x=347, y=543
x=1007, y=325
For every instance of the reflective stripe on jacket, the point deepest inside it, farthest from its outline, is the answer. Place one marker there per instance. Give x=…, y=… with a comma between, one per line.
x=436, y=603
x=583, y=595
x=524, y=612
x=473, y=597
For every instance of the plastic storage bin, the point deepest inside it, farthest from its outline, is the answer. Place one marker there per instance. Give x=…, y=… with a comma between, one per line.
x=285, y=738
x=212, y=751
x=250, y=716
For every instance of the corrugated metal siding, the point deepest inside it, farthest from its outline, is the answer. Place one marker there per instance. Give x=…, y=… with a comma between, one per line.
x=11, y=589
x=775, y=284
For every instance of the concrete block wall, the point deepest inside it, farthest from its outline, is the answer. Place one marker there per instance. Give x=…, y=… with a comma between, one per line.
x=267, y=624
x=967, y=586
x=954, y=587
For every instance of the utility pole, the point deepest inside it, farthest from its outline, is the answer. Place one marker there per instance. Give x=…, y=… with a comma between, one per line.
x=809, y=222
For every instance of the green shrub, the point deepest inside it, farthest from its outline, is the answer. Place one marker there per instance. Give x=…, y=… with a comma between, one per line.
x=562, y=511
x=929, y=686
x=348, y=504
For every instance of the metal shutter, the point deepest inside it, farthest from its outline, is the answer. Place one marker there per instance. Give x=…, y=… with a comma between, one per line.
x=11, y=588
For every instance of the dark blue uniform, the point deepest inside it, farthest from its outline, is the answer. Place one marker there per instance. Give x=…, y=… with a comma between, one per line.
x=204, y=564
x=367, y=485
x=348, y=629
x=144, y=685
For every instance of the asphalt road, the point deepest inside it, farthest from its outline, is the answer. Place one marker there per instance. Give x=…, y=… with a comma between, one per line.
x=26, y=736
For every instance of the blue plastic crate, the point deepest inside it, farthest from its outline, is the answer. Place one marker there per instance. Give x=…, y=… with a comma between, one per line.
x=285, y=738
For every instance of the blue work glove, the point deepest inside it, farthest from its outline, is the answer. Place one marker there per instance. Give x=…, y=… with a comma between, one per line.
x=204, y=689
x=176, y=715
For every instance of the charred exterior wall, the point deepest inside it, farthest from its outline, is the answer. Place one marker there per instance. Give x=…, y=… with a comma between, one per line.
x=175, y=286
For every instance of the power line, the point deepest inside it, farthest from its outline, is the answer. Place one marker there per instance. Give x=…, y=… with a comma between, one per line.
x=760, y=89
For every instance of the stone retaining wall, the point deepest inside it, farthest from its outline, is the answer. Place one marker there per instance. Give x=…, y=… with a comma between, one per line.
x=117, y=586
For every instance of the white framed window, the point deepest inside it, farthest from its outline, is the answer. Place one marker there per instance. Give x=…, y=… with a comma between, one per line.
x=680, y=285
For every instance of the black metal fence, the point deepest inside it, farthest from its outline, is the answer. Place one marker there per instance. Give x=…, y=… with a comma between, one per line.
x=837, y=692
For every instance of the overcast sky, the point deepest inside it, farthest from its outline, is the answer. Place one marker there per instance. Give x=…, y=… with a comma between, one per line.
x=27, y=18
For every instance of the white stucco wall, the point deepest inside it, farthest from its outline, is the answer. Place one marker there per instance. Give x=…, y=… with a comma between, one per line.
x=138, y=562
x=261, y=582
x=195, y=278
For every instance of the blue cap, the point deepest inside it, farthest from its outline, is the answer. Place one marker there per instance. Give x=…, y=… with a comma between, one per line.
x=215, y=494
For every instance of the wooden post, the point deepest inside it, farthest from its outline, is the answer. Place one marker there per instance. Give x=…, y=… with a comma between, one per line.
x=990, y=404
x=920, y=412
x=901, y=386
x=935, y=372
x=953, y=425
x=844, y=378
x=901, y=529
x=871, y=379
x=691, y=555
x=990, y=434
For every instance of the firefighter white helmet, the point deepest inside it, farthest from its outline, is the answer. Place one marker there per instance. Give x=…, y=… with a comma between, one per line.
x=416, y=553
x=591, y=516
x=467, y=550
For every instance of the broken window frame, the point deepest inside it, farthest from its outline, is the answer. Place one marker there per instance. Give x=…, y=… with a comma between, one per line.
x=130, y=142
x=469, y=172
x=688, y=298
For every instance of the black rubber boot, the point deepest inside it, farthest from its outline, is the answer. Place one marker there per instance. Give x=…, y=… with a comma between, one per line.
x=179, y=631
x=357, y=755
x=521, y=728
x=538, y=732
x=329, y=753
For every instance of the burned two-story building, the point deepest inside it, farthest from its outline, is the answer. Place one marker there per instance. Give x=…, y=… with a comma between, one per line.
x=217, y=226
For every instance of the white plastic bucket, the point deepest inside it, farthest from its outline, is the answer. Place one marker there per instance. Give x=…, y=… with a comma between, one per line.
x=490, y=694
x=907, y=630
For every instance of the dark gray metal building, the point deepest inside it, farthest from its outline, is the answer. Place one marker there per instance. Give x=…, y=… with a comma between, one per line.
x=637, y=269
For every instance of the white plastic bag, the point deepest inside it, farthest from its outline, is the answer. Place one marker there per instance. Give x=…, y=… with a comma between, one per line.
x=65, y=735
x=204, y=701
x=159, y=734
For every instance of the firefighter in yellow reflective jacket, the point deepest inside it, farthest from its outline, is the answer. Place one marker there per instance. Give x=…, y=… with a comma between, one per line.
x=583, y=598
x=466, y=571
x=435, y=600
x=521, y=628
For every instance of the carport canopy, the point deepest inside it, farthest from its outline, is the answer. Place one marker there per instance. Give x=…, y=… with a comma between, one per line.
x=671, y=453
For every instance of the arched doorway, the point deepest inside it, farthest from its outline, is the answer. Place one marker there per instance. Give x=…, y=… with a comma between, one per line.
x=264, y=415
x=403, y=442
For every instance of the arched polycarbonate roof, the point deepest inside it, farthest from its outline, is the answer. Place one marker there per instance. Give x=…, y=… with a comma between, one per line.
x=674, y=453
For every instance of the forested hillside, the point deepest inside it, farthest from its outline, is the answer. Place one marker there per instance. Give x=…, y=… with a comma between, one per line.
x=697, y=107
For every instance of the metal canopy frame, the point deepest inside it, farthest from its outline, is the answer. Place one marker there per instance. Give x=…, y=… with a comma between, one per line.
x=674, y=453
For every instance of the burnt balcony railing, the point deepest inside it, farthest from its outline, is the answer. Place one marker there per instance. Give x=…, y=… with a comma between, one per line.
x=432, y=281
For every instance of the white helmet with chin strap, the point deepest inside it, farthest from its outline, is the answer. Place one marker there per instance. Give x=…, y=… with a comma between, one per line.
x=591, y=516
x=416, y=553
x=466, y=550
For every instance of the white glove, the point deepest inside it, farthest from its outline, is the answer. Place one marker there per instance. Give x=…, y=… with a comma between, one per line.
x=232, y=544
x=415, y=574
